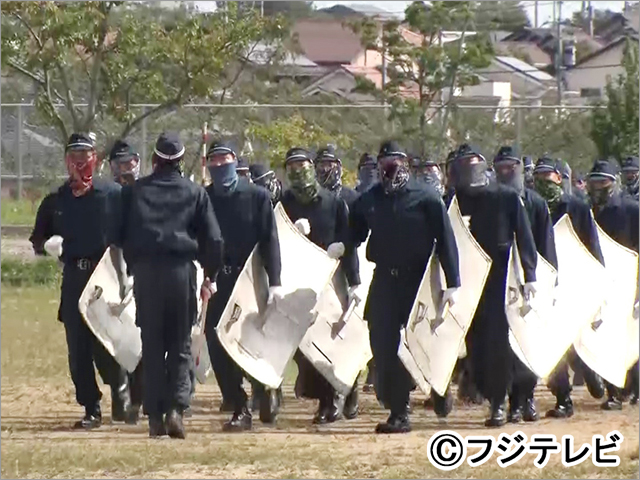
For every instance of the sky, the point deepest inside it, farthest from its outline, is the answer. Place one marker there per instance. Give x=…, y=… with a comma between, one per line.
x=545, y=7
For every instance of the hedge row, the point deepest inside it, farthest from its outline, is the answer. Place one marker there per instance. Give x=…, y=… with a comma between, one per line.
x=23, y=273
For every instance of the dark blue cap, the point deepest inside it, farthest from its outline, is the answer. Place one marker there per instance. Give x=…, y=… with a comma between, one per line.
x=451, y=156
x=390, y=148
x=258, y=170
x=122, y=151
x=527, y=161
x=297, y=154
x=465, y=150
x=169, y=146
x=219, y=147
x=603, y=169
x=565, y=169
x=243, y=164
x=367, y=160
x=630, y=164
x=81, y=141
x=507, y=153
x=328, y=153
x=546, y=164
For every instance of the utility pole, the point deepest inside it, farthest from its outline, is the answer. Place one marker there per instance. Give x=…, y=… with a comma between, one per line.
x=560, y=51
x=590, y=18
x=535, y=14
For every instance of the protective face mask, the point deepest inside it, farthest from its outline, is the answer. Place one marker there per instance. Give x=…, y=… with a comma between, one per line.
x=224, y=178
x=330, y=178
x=468, y=176
x=125, y=173
x=303, y=182
x=549, y=190
x=512, y=178
x=393, y=176
x=80, y=175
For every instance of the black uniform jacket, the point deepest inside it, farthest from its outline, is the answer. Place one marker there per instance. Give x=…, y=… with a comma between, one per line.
x=164, y=216
x=246, y=219
x=404, y=227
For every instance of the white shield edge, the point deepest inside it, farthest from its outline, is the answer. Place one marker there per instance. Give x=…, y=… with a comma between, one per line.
x=260, y=339
x=599, y=346
x=112, y=321
x=436, y=352
x=342, y=354
x=622, y=262
x=411, y=365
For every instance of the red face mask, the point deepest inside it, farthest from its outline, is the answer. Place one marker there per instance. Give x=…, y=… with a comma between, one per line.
x=80, y=165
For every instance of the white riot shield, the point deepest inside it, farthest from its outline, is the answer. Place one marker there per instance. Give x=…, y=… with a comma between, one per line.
x=533, y=322
x=261, y=339
x=110, y=319
x=604, y=344
x=434, y=336
x=113, y=321
x=412, y=367
x=337, y=344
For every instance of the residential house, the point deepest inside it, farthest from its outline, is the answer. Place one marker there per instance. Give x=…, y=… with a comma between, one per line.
x=588, y=77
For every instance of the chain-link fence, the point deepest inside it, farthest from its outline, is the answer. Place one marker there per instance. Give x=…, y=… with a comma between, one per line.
x=33, y=152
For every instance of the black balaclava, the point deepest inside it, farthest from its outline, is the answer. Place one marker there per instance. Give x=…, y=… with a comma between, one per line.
x=630, y=170
x=267, y=179
x=329, y=169
x=367, y=172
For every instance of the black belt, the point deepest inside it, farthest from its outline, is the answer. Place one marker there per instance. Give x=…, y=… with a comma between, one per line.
x=230, y=269
x=83, y=263
x=399, y=271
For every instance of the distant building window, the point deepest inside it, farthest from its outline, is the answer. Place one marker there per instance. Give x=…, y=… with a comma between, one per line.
x=590, y=92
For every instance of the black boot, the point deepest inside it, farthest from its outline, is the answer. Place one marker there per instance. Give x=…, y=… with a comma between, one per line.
x=156, y=427
x=530, y=414
x=120, y=402
x=92, y=418
x=633, y=400
x=594, y=382
x=351, y=404
x=336, y=406
x=268, y=403
x=612, y=403
x=515, y=414
x=395, y=424
x=442, y=406
x=241, y=421
x=174, y=425
x=322, y=414
x=497, y=417
x=563, y=408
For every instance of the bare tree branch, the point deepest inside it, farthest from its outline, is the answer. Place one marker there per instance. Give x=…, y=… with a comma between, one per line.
x=26, y=72
x=31, y=31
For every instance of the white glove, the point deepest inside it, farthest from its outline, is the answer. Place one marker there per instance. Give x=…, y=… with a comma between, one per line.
x=351, y=293
x=208, y=289
x=53, y=246
x=450, y=296
x=126, y=287
x=335, y=250
x=529, y=291
x=303, y=226
x=275, y=294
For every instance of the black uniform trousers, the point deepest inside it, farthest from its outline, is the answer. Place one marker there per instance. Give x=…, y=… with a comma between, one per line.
x=83, y=346
x=487, y=342
x=166, y=308
x=228, y=373
x=391, y=296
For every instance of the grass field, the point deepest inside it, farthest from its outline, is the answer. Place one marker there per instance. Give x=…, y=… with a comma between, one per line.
x=18, y=212
x=38, y=408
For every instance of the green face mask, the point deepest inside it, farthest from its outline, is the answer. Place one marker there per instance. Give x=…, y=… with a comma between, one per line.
x=549, y=190
x=303, y=182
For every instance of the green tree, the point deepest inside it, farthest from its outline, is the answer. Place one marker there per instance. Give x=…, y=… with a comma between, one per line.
x=109, y=55
x=421, y=68
x=615, y=126
x=500, y=15
x=601, y=18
